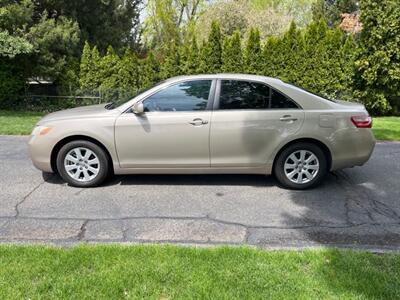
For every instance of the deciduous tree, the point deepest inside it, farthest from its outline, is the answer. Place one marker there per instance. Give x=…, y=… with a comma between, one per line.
x=168, y=20
x=331, y=10
x=102, y=22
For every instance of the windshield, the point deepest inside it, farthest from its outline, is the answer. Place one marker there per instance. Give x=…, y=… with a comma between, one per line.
x=321, y=95
x=119, y=97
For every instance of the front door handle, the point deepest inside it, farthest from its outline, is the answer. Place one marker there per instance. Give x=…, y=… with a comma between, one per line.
x=198, y=122
x=288, y=118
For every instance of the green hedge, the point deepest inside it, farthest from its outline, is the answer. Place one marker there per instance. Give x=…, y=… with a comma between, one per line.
x=12, y=82
x=317, y=58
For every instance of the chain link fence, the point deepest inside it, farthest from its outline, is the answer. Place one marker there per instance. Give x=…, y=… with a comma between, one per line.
x=49, y=103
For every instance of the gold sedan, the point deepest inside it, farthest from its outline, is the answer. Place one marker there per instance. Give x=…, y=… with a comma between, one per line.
x=207, y=124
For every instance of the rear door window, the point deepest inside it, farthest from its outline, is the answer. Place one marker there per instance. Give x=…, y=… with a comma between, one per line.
x=238, y=94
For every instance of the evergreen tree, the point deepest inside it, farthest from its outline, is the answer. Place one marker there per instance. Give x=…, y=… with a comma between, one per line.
x=253, y=53
x=211, y=52
x=89, y=76
x=214, y=42
x=170, y=66
x=226, y=55
x=149, y=71
x=293, y=54
x=108, y=73
x=205, y=53
x=128, y=74
x=318, y=59
x=191, y=62
x=315, y=57
x=184, y=50
x=325, y=64
x=85, y=67
x=95, y=70
x=348, y=55
x=273, y=61
x=232, y=57
x=333, y=83
x=378, y=63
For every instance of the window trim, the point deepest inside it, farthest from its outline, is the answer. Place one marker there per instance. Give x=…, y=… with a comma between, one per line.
x=218, y=94
x=210, y=100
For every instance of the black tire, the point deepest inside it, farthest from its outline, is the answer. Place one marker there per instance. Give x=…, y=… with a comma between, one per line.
x=279, y=170
x=104, y=166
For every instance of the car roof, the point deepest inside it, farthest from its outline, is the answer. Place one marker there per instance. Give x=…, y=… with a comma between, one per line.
x=303, y=98
x=226, y=76
x=300, y=96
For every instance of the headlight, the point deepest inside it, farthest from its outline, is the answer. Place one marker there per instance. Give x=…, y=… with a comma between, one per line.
x=41, y=130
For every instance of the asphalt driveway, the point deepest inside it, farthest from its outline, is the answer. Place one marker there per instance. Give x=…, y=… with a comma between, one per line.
x=357, y=207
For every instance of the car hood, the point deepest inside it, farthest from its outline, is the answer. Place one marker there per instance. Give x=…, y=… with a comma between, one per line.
x=90, y=111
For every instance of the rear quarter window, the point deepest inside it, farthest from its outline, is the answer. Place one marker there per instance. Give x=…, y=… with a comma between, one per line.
x=280, y=101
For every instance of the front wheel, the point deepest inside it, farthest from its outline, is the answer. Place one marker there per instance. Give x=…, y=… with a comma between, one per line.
x=300, y=166
x=82, y=164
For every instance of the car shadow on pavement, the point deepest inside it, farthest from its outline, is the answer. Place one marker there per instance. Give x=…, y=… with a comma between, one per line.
x=212, y=180
x=52, y=178
x=168, y=179
x=348, y=210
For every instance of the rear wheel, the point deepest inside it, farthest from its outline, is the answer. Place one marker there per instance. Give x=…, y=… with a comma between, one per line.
x=82, y=164
x=300, y=166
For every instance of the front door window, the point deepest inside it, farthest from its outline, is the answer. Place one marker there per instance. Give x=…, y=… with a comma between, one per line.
x=184, y=96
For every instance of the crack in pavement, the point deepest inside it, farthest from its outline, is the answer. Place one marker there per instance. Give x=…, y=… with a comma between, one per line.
x=360, y=202
x=26, y=197
x=207, y=218
x=349, y=196
x=246, y=239
x=124, y=234
x=82, y=230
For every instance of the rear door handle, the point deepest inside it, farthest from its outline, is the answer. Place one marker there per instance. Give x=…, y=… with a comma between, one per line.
x=198, y=122
x=288, y=118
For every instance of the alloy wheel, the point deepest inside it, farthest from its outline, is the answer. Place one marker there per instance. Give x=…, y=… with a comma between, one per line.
x=301, y=167
x=82, y=164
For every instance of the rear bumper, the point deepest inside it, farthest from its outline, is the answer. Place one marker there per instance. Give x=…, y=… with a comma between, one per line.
x=355, y=149
x=40, y=152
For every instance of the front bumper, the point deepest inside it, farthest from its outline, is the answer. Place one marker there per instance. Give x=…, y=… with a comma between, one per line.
x=40, y=148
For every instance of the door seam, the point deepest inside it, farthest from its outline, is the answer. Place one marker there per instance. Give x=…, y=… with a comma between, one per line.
x=209, y=139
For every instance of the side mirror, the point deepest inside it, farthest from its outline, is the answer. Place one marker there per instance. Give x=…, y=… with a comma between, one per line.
x=138, y=108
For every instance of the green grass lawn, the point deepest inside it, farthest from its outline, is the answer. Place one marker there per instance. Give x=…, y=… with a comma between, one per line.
x=167, y=272
x=20, y=123
x=387, y=128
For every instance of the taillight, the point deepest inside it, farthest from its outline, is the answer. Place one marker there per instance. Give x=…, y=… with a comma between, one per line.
x=362, y=121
